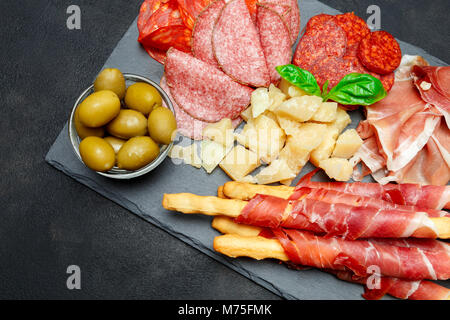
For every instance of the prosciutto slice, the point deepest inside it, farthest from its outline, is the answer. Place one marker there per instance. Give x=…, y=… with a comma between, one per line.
x=433, y=84
x=399, y=288
x=332, y=196
x=336, y=219
x=425, y=196
x=404, y=139
x=360, y=256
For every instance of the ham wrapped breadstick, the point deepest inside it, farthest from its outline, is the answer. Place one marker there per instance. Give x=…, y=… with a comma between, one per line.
x=246, y=191
x=320, y=217
x=242, y=240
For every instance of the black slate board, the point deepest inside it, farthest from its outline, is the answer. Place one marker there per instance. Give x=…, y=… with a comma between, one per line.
x=142, y=196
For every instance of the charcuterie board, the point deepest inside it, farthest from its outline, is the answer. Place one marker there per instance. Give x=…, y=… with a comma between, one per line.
x=143, y=195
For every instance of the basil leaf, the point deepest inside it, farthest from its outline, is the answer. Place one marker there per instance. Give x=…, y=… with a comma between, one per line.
x=325, y=89
x=300, y=78
x=357, y=89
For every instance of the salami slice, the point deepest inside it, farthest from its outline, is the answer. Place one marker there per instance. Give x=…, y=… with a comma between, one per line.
x=355, y=29
x=190, y=9
x=293, y=17
x=148, y=7
x=237, y=47
x=320, y=41
x=295, y=20
x=380, y=52
x=165, y=15
x=171, y=36
x=283, y=10
x=202, y=33
x=186, y=125
x=158, y=55
x=318, y=20
x=275, y=39
x=202, y=90
x=251, y=5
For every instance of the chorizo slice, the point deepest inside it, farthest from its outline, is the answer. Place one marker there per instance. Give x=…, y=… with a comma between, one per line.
x=380, y=52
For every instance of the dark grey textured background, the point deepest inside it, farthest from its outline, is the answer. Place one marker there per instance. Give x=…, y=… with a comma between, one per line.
x=48, y=221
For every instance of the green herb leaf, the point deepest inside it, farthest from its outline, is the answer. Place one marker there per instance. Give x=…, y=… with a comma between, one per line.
x=325, y=88
x=357, y=89
x=300, y=78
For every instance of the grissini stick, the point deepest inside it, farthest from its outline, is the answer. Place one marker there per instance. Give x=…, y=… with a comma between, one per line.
x=268, y=211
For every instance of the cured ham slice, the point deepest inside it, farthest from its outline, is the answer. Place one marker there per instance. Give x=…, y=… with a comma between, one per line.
x=433, y=84
x=426, y=196
x=411, y=146
x=332, y=196
x=399, y=288
x=430, y=165
x=336, y=219
x=413, y=263
x=403, y=123
x=269, y=211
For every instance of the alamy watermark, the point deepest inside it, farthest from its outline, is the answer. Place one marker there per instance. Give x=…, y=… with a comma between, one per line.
x=73, y=22
x=74, y=280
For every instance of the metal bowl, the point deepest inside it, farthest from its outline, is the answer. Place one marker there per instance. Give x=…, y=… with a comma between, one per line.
x=116, y=173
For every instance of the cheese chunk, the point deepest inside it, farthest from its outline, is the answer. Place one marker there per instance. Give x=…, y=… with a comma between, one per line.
x=311, y=135
x=347, y=144
x=278, y=170
x=239, y=162
x=289, y=126
x=221, y=132
x=295, y=154
x=290, y=90
x=212, y=154
x=276, y=97
x=247, y=114
x=337, y=168
x=262, y=136
x=324, y=150
x=187, y=154
x=326, y=112
x=260, y=101
x=342, y=119
x=247, y=179
x=299, y=108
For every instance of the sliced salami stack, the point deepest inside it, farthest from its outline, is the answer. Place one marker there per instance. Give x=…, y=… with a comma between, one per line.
x=233, y=51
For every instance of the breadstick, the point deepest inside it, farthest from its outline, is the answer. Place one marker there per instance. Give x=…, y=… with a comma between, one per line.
x=233, y=245
x=220, y=193
x=227, y=225
x=207, y=205
x=246, y=191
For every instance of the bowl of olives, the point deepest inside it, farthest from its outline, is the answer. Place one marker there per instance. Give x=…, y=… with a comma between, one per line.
x=123, y=125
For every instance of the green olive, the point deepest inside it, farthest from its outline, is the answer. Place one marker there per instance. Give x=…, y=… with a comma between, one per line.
x=128, y=124
x=116, y=143
x=97, y=154
x=111, y=79
x=83, y=131
x=142, y=97
x=99, y=108
x=162, y=125
x=137, y=153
